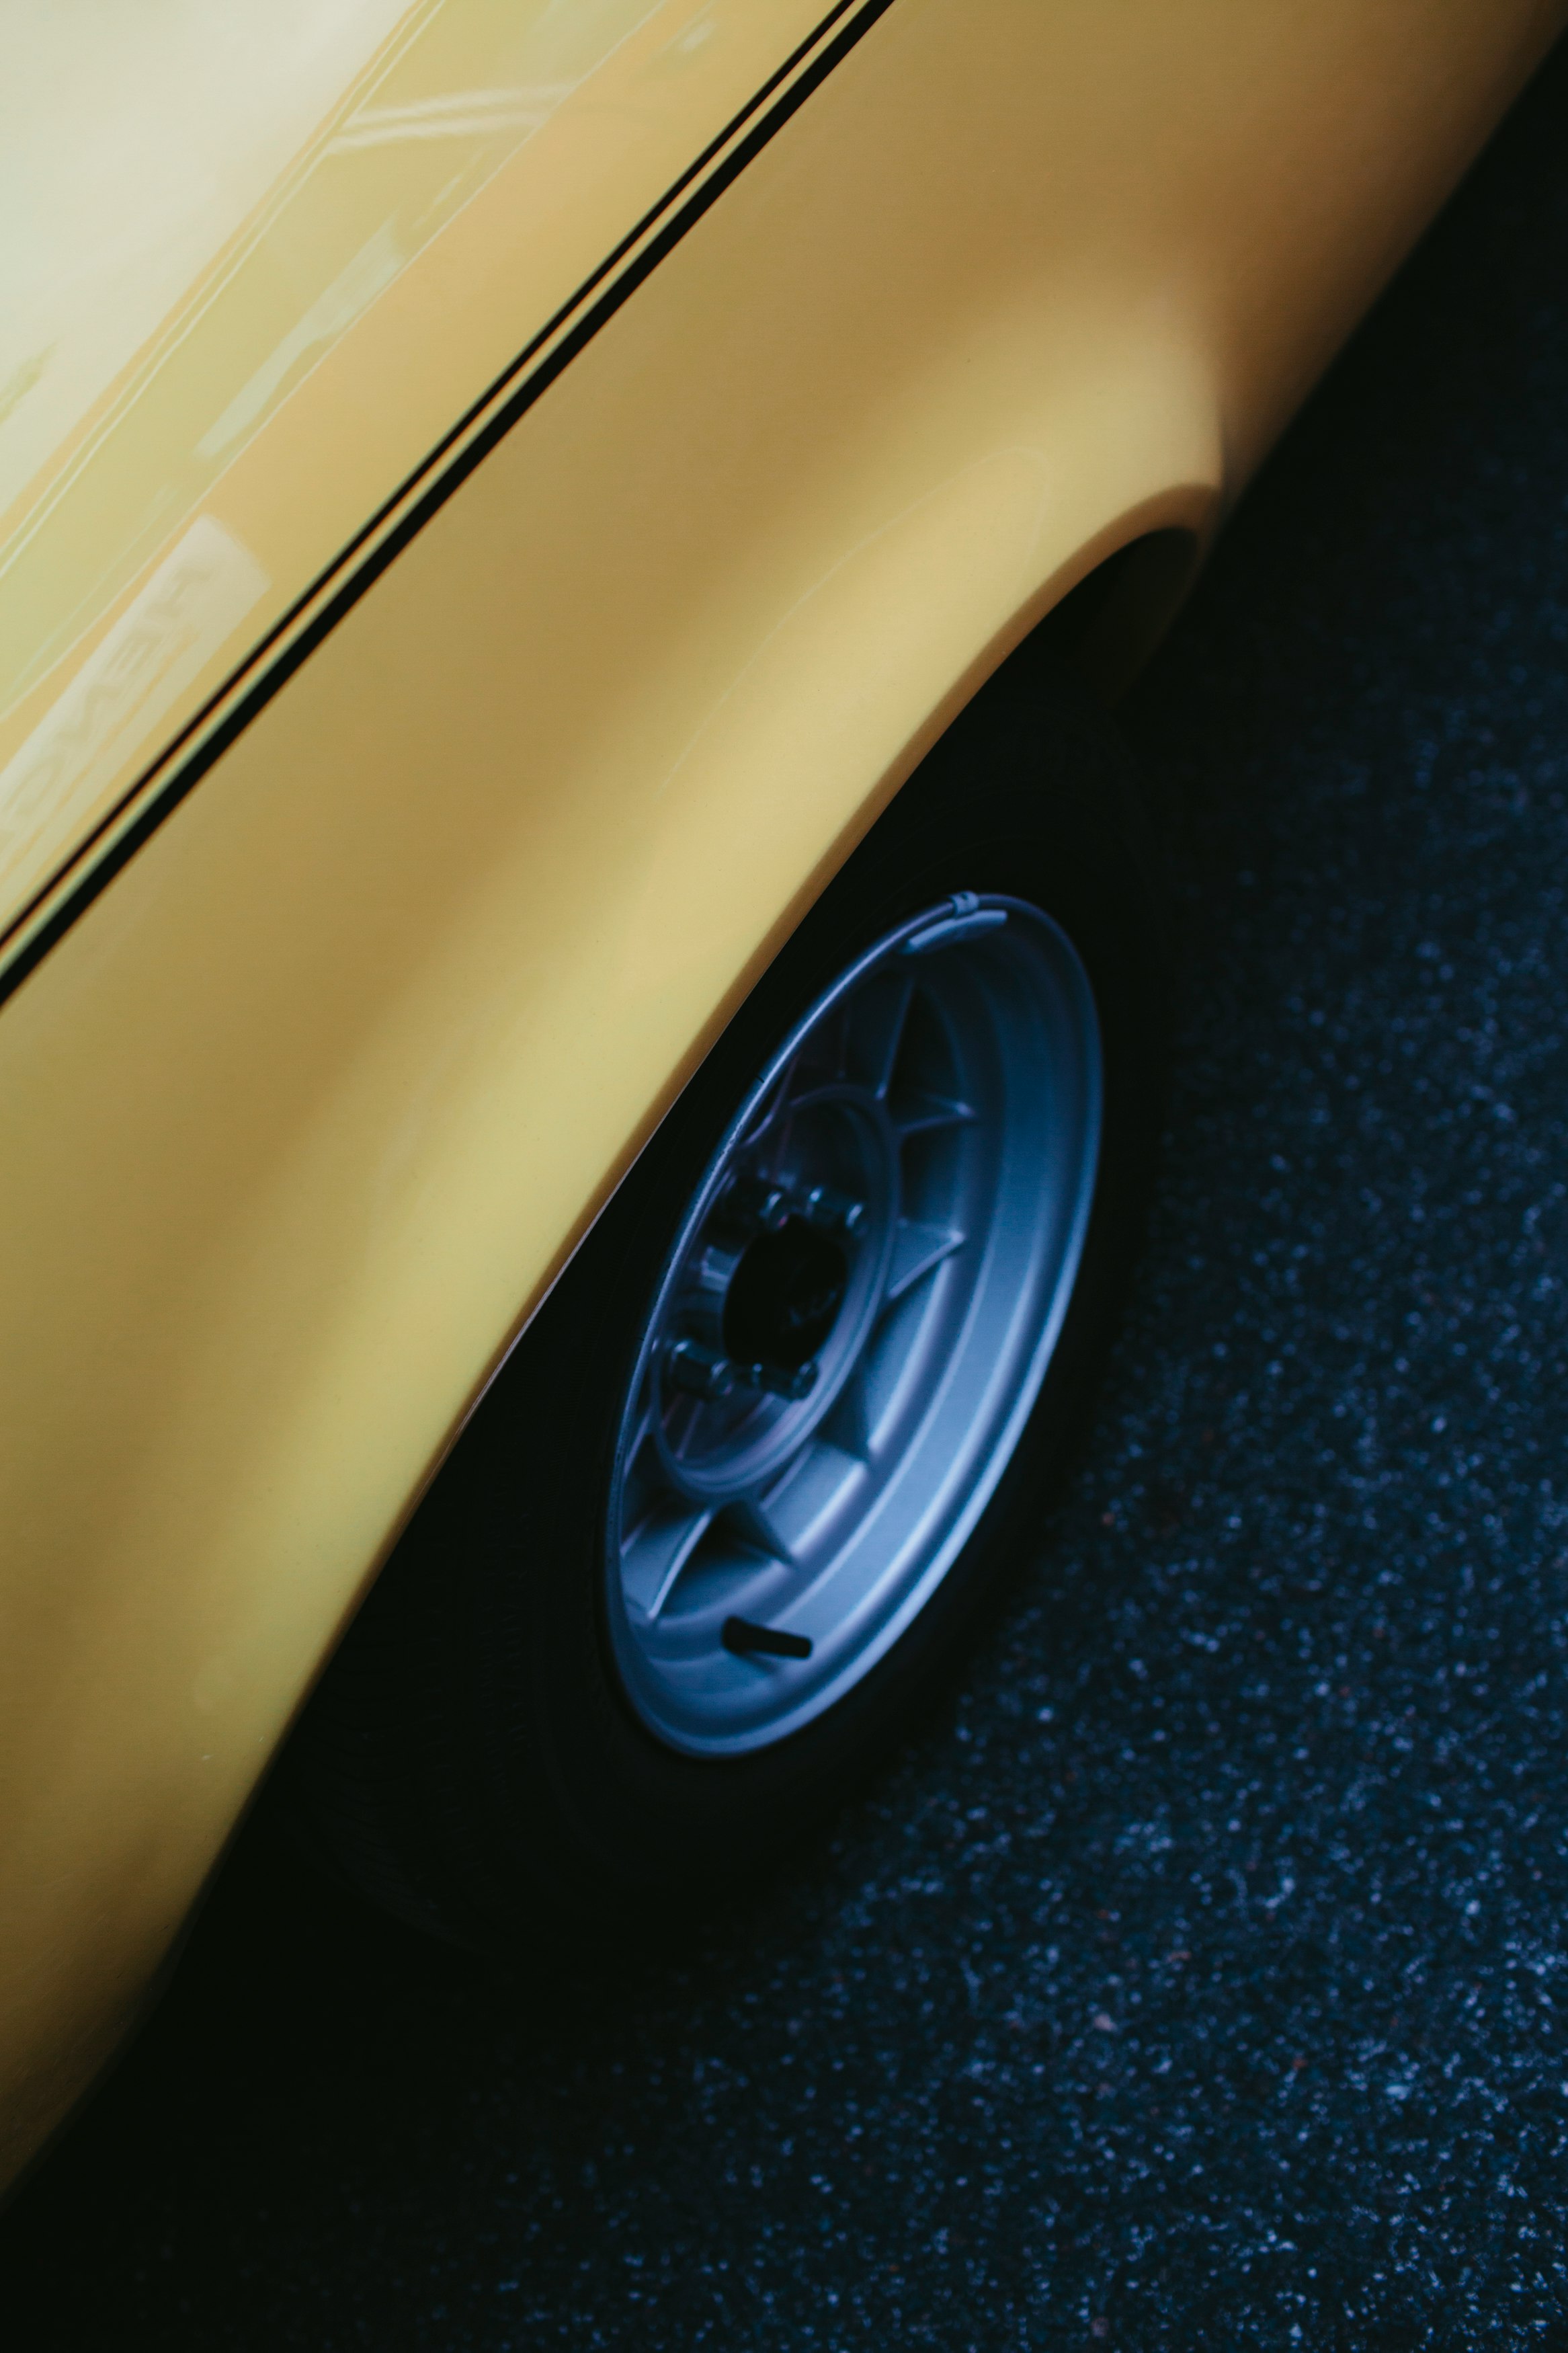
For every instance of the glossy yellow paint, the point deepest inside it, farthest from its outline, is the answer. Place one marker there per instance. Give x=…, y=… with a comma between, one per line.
x=279, y=257
x=304, y=1112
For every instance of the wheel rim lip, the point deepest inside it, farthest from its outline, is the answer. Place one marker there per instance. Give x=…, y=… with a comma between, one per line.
x=883, y=1606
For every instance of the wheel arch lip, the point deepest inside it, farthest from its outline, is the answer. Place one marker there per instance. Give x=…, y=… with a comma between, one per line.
x=1106, y=646
x=1178, y=526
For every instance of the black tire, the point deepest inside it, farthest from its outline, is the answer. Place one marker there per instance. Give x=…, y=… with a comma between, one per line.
x=469, y=1758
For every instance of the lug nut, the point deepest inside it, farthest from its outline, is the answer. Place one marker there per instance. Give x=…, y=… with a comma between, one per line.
x=701, y=1372
x=704, y=1373
x=833, y=1213
x=755, y=1205
x=778, y=1380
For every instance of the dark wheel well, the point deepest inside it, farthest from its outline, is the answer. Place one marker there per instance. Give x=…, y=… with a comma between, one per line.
x=1105, y=628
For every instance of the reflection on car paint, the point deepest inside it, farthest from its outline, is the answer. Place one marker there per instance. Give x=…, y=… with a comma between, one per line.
x=194, y=601
x=119, y=437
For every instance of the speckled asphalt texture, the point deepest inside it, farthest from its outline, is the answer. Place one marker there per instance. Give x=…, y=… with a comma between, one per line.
x=1200, y=1977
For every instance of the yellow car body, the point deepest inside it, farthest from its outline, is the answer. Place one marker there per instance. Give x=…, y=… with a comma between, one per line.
x=499, y=497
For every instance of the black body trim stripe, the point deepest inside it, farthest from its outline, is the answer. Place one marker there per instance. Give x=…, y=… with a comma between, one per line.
x=441, y=472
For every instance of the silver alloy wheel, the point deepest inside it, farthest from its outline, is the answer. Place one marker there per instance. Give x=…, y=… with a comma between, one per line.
x=853, y=1324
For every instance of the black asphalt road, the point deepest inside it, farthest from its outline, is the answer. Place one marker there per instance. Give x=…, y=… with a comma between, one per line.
x=1200, y=1977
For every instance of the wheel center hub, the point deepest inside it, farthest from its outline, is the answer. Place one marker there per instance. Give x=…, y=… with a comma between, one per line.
x=784, y=1296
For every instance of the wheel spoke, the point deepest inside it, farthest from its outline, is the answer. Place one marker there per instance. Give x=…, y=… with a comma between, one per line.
x=656, y=1552
x=772, y=1115
x=757, y=1526
x=823, y=1051
x=917, y=1248
x=680, y=1421
x=782, y=1520
x=643, y=1478
x=849, y=1426
x=877, y=1015
x=642, y=1428
x=916, y=1112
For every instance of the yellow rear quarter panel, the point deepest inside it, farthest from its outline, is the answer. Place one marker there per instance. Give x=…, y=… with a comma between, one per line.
x=305, y=1112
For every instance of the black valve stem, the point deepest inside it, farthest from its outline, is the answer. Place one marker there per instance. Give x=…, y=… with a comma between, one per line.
x=743, y=1635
